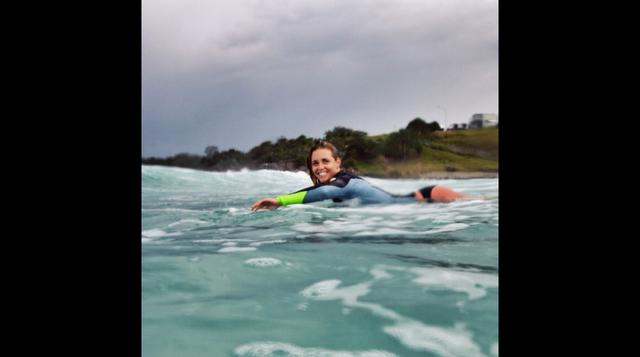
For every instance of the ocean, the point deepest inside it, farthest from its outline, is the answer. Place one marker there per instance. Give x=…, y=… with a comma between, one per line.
x=321, y=279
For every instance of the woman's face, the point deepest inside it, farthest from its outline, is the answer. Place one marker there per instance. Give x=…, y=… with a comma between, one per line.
x=323, y=164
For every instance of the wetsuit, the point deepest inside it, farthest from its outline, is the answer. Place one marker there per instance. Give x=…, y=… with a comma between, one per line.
x=345, y=186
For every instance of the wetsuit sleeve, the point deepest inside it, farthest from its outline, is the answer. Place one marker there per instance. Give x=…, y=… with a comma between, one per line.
x=314, y=194
x=327, y=192
x=293, y=198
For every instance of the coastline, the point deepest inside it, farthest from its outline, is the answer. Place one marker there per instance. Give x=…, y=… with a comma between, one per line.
x=437, y=175
x=441, y=175
x=459, y=175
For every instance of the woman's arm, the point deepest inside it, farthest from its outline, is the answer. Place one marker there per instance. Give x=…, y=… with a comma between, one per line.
x=308, y=195
x=282, y=200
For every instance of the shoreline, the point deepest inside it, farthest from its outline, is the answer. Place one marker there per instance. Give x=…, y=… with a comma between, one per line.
x=460, y=175
x=439, y=175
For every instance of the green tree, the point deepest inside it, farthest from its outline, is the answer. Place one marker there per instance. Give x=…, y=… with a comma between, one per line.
x=419, y=126
x=186, y=160
x=262, y=153
x=434, y=126
x=211, y=150
x=353, y=144
x=423, y=128
x=403, y=144
x=230, y=159
x=300, y=149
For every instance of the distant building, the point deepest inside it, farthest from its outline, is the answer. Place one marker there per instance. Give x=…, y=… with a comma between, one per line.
x=478, y=121
x=457, y=127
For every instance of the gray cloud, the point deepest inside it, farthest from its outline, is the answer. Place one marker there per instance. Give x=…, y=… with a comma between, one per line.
x=236, y=73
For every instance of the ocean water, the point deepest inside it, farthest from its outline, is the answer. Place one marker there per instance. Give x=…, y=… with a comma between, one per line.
x=321, y=279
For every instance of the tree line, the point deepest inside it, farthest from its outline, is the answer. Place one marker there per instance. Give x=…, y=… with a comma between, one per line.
x=291, y=154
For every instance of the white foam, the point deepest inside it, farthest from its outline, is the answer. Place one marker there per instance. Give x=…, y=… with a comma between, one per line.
x=221, y=240
x=185, y=221
x=180, y=210
x=446, y=342
x=471, y=283
x=394, y=209
x=474, y=284
x=229, y=244
x=448, y=228
x=382, y=231
x=269, y=348
x=321, y=290
x=205, y=241
x=263, y=262
x=157, y=233
x=461, y=217
x=257, y=244
x=379, y=272
x=306, y=227
x=236, y=249
x=329, y=226
x=328, y=290
x=494, y=349
x=154, y=233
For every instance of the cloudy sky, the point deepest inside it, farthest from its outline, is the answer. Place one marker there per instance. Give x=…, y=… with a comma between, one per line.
x=235, y=73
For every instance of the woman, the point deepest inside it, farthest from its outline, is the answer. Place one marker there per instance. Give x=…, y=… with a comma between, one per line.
x=331, y=182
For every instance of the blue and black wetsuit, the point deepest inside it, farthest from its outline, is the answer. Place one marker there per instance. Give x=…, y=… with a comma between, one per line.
x=345, y=186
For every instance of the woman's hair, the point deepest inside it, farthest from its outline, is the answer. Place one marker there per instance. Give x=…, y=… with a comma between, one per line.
x=320, y=144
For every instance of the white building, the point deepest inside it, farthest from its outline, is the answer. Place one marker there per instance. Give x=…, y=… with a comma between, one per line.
x=483, y=120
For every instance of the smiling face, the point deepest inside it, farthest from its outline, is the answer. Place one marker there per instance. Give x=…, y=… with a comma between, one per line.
x=324, y=165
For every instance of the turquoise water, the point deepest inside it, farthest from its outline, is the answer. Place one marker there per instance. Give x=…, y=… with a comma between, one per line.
x=322, y=279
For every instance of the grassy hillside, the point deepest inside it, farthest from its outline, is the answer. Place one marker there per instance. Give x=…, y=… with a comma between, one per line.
x=475, y=142
x=417, y=153
x=474, y=150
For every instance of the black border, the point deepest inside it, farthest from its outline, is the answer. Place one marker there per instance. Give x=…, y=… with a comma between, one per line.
x=81, y=229
x=545, y=182
x=86, y=156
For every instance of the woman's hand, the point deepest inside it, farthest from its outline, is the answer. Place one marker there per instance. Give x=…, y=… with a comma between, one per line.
x=268, y=203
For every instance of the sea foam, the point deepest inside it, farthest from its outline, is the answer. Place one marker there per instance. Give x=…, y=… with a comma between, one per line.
x=494, y=349
x=280, y=349
x=236, y=249
x=446, y=342
x=263, y=262
x=472, y=283
x=153, y=233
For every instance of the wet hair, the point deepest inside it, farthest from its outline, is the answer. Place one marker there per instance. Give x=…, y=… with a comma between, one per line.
x=320, y=144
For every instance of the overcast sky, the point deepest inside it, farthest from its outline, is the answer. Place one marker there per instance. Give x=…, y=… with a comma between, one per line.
x=235, y=73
